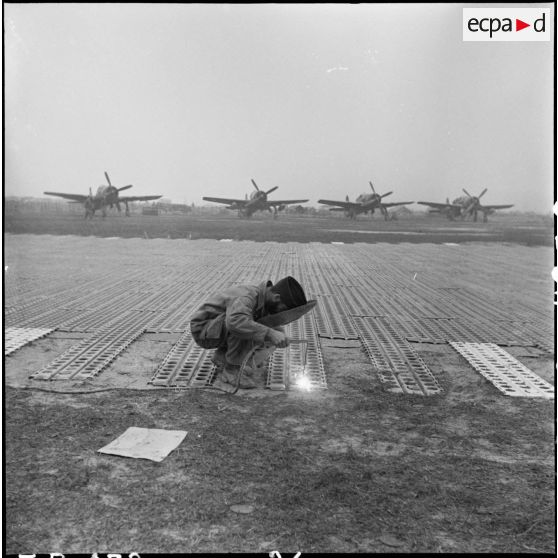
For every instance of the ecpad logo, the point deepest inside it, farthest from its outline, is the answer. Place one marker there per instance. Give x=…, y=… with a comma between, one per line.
x=506, y=24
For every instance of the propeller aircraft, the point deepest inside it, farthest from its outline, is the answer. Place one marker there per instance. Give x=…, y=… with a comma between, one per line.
x=364, y=203
x=450, y=210
x=106, y=196
x=465, y=206
x=256, y=202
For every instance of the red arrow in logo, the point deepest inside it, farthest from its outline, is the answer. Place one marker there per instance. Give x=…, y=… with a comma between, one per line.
x=519, y=25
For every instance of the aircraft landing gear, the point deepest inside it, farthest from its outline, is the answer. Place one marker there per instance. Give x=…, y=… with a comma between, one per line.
x=89, y=208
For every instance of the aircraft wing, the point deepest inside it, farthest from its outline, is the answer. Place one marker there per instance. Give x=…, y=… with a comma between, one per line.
x=341, y=204
x=72, y=197
x=284, y=202
x=229, y=201
x=137, y=198
x=495, y=206
x=395, y=203
x=435, y=205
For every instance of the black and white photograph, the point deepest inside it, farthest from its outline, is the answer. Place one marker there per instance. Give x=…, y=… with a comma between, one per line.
x=279, y=278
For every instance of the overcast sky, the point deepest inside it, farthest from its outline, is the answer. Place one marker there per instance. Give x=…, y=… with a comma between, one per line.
x=187, y=100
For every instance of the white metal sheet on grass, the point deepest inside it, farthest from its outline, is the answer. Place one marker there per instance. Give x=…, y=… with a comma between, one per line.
x=17, y=337
x=145, y=443
x=508, y=374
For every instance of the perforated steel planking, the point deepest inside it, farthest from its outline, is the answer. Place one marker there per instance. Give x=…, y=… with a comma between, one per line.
x=17, y=337
x=189, y=366
x=90, y=356
x=185, y=365
x=399, y=367
x=299, y=360
x=425, y=293
x=332, y=319
x=509, y=375
x=457, y=329
x=174, y=316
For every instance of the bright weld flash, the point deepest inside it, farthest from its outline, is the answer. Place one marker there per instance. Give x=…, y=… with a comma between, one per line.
x=304, y=383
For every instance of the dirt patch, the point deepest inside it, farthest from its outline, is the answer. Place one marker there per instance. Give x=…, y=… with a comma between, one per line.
x=342, y=470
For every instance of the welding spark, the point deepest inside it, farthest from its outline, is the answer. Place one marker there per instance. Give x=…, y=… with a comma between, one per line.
x=303, y=382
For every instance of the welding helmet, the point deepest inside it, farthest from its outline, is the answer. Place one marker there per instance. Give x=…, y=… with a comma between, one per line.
x=292, y=294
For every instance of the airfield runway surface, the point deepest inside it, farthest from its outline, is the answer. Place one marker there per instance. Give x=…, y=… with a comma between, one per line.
x=102, y=298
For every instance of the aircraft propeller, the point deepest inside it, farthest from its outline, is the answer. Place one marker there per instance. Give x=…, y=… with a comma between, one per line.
x=472, y=207
x=476, y=197
x=268, y=191
x=378, y=195
x=114, y=187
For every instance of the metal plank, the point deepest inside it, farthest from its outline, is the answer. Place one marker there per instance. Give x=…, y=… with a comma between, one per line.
x=509, y=375
x=17, y=337
x=331, y=318
x=185, y=365
x=398, y=366
x=93, y=354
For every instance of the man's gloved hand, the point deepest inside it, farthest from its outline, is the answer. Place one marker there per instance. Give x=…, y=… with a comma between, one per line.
x=277, y=338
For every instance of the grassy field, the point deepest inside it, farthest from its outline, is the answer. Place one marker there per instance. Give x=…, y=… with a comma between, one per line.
x=349, y=469
x=530, y=230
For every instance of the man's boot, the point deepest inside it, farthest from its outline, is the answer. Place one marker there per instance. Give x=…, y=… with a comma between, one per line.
x=229, y=375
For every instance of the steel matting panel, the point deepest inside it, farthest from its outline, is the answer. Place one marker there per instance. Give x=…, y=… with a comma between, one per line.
x=314, y=359
x=504, y=333
x=317, y=282
x=32, y=305
x=360, y=303
x=542, y=335
x=16, y=337
x=466, y=303
x=399, y=367
x=285, y=365
x=166, y=295
x=412, y=306
x=92, y=320
x=90, y=356
x=509, y=375
x=177, y=363
x=52, y=318
x=62, y=296
x=171, y=364
x=176, y=318
x=185, y=365
x=417, y=331
x=531, y=313
x=453, y=329
x=331, y=318
x=19, y=316
x=308, y=354
x=278, y=369
x=188, y=365
x=419, y=302
x=298, y=359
